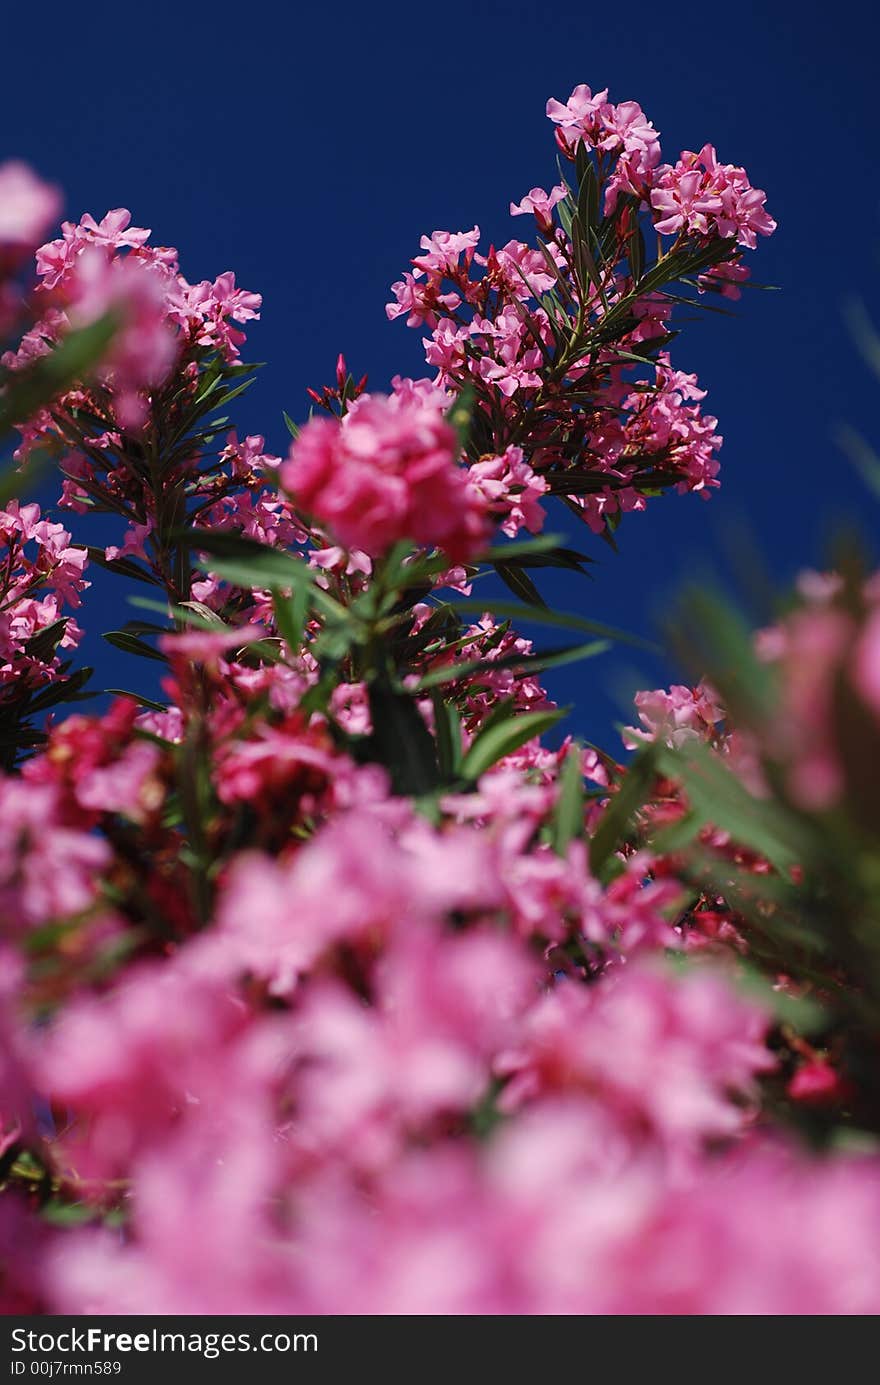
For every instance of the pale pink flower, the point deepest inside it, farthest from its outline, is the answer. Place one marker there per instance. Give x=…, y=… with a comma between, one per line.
x=540, y=204
x=28, y=206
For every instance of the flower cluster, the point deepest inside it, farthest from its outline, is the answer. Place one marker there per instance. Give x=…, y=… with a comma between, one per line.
x=562, y=342
x=326, y=982
x=388, y=471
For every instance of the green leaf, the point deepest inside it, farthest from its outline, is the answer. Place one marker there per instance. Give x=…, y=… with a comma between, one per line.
x=138, y=698
x=291, y=614
x=504, y=737
x=227, y=396
x=717, y=796
x=67, y=690
x=58, y=1213
x=70, y=362
x=520, y=583
x=636, y=251
x=523, y=663
x=447, y=724
x=568, y=559
x=292, y=428
x=629, y=798
x=130, y=644
x=544, y=616
x=588, y=196
x=124, y=566
x=18, y=481
x=249, y=564
x=712, y=637
x=861, y=454
x=461, y=414
x=568, y=814
x=522, y=548
x=401, y=741
x=42, y=646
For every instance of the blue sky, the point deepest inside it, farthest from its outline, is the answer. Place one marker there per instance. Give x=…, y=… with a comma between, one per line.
x=308, y=149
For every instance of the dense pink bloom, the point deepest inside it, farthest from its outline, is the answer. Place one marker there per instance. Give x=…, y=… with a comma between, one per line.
x=680, y=715
x=42, y=574
x=49, y=867
x=56, y=259
x=511, y=490
x=657, y=1054
x=145, y=346
x=698, y=195
x=131, y=1061
x=389, y=471
x=306, y=1007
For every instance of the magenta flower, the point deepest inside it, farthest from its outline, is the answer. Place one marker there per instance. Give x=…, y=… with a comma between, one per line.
x=387, y=472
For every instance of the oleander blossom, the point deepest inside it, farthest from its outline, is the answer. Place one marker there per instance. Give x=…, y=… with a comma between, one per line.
x=698, y=195
x=335, y=977
x=388, y=471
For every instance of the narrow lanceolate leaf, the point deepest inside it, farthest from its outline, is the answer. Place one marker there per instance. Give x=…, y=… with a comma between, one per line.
x=402, y=742
x=716, y=796
x=568, y=559
x=544, y=616
x=124, y=566
x=258, y=564
x=42, y=646
x=69, y=689
x=520, y=583
x=504, y=737
x=522, y=548
x=568, y=815
x=291, y=614
x=520, y=663
x=636, y=252
x=447, y=723
x=714, y=639
x=614, y=824
x=130, y=644
x=138, y=698
x=249, y=564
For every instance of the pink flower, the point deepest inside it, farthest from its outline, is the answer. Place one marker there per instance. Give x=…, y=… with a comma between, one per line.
x=649, y=1048
x=676, y=717
x=420, y=301
x=580, y=116
x=212, y=307
x=27, y=207
x=56, y=260
x=206, y=646
x=144, y=349
x=49, y=869
x=540, y=204
x=127, y=785
x=701, y=197
x=133, y=544
x=443, y=249
x=512, y=490
x=389, y=471
x=129, y=1062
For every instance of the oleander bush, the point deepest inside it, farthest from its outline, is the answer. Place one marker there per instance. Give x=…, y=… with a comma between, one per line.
x=337, y=977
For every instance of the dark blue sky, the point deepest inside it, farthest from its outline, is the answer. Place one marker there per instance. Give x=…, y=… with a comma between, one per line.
x=308, y=148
